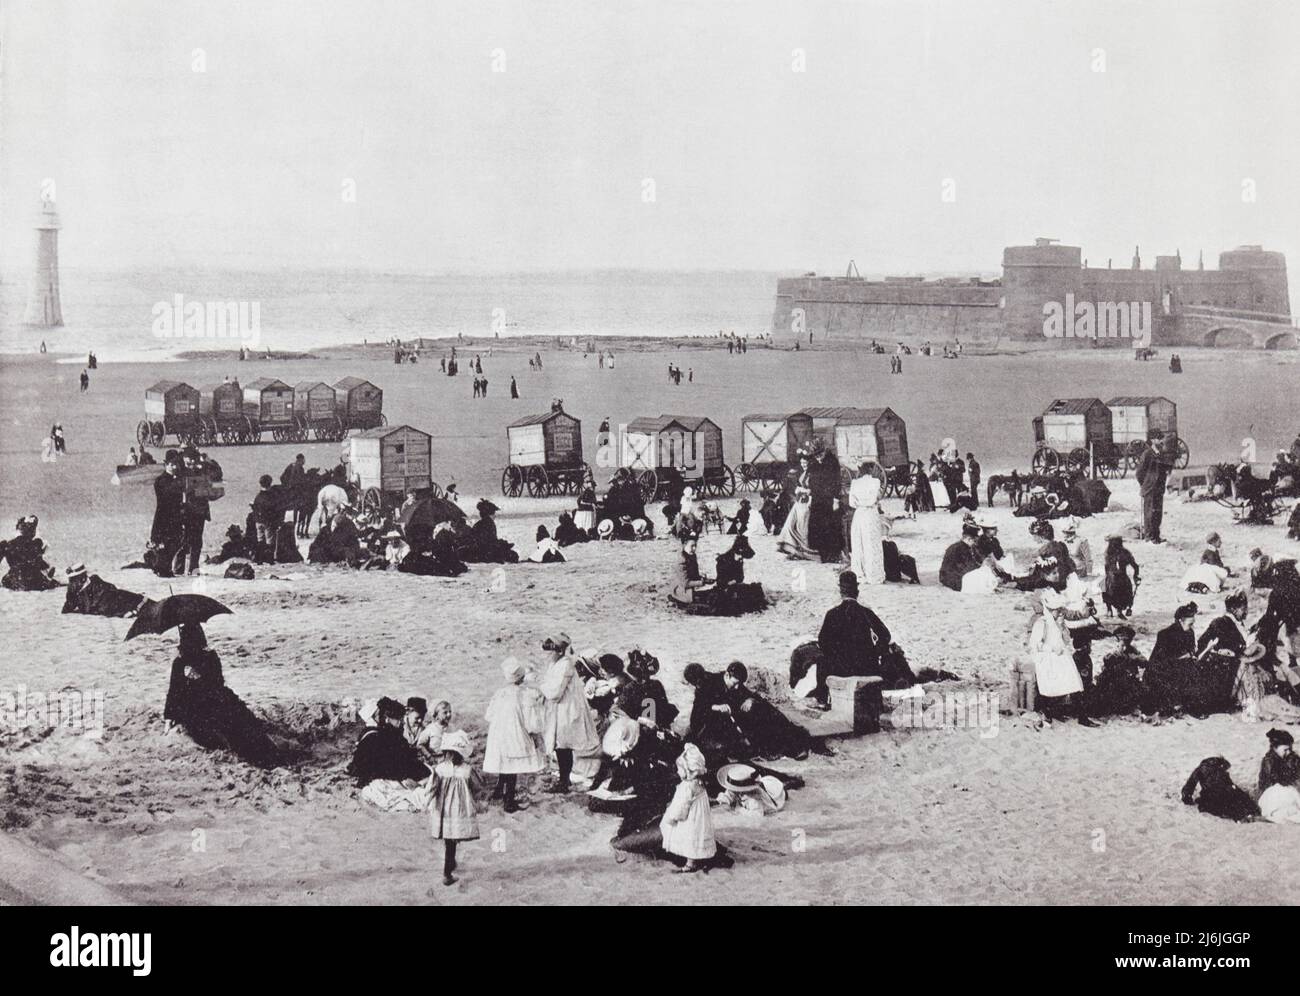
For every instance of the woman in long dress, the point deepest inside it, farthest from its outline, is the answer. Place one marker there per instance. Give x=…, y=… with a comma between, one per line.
x=868, y=558
x=793, y=541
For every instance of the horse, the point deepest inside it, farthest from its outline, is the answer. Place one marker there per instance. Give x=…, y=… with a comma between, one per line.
x=1013, y=484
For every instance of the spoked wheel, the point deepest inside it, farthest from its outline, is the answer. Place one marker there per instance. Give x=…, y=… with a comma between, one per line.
x=372, y=501
x=435, y=490
x=648, y=482
x=726, y=484
x=383, y=419
x=252, y=431
x=538, y=484
x=229, y=435
x=1111, y=469
x=1045, y=460
x=846, y=478
x=143, y=433
x=588, y=478
x=880, y=474
x=512, y=482
x=1078, y=460
x=747, y=478
x=1182, y=455
x=159, y=433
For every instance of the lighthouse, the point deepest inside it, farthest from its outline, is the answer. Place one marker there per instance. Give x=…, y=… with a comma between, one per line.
x=43, y=306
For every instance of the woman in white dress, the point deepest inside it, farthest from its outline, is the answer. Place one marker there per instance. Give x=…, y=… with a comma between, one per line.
x=793, y=541
x=868, y=557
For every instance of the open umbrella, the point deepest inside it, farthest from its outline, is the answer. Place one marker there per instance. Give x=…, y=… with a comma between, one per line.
x=429, y=512
x=172, y=611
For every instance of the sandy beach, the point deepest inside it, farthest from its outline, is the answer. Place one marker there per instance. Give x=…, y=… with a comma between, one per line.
x=1003, y=811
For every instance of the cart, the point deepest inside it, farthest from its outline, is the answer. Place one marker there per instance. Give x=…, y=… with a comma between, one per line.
x=170, y=408
x=885, y=443
x=314, y=411
x=880, y=436
x=385, y=464
x=1138, y=420
x=359, y=404
x=545, y=456
x=268, y=402
x=1077, y=434
x=675, y=450
x=769, y=448
x=224, y=418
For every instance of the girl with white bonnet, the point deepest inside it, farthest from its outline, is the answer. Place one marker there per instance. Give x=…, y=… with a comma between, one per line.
x=686, y=829
x=516, y=719
x=454, y=811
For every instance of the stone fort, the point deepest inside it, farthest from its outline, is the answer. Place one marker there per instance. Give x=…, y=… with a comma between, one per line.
x=1244, y=303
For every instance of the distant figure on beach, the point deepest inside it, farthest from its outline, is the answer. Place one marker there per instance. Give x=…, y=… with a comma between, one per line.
x=42, y=345
x=514, y=388
x=85, y=380
x=56, y=438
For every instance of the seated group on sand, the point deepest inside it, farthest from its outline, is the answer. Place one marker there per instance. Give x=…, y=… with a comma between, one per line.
x=610, y=727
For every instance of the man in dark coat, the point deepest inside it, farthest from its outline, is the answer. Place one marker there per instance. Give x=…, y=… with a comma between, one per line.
x=1152, y=472
x=853, y=639
x=168, y=530
x=383, y=753
x=960, y=558
x=973, y=470
x=296, y=472
x=767, y=730
x=711, y=729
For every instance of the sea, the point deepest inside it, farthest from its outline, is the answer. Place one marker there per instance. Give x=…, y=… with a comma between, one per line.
x=125, y=314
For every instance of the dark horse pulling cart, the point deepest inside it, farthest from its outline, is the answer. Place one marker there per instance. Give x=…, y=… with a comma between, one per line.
x=545, y=456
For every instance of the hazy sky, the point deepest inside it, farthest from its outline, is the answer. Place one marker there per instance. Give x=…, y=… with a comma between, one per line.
x=543, y=166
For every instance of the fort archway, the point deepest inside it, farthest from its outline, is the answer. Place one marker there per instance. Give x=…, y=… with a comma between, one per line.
x=1230, y=337
x=1283, y=340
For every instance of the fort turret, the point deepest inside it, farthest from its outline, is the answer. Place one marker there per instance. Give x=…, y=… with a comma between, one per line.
x=1033, y=276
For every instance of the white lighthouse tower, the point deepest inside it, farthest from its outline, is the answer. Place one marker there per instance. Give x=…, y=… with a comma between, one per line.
x=43, y=306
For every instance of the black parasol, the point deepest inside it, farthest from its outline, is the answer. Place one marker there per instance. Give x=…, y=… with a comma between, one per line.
x=173, y=611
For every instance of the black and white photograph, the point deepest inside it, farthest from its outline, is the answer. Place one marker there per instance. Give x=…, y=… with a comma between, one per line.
x=590, y=453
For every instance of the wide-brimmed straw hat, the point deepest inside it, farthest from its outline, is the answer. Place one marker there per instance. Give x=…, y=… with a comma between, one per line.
x=605, y=527
x=745, y=779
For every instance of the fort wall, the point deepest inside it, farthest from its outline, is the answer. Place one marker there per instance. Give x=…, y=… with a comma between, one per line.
x=1250, y=282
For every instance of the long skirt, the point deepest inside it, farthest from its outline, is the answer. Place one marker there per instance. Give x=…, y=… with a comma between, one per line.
x=793, y=541
x=868, y=558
